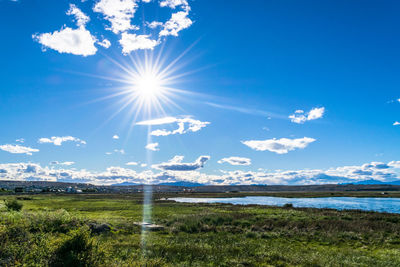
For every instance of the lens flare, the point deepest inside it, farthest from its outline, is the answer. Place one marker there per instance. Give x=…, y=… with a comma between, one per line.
x=146, y=86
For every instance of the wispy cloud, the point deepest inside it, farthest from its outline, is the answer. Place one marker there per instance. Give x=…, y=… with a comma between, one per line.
x=120, y=151
x=185, y=125
x=65, y=163
x=279, y=146
x=58, y=140
x=116, y=151
x=115, y=137
x=80, y=17
x=18, y=149
x=236, y=161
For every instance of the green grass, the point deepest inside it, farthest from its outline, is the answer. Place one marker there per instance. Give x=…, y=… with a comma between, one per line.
x=55, y=229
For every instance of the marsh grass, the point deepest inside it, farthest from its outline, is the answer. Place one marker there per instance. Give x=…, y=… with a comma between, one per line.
x=55, y=229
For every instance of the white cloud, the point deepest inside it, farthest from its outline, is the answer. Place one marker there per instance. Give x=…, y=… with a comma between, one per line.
x=152, y=146
x=17, y=149
x=236, y=161
x=120, y=15
x=315, y=113
x=80, y=17
x=118, y=12
x=73, y=41
x=279, y=146
x=300, y=117
x=185, y=125
x=132, y=163
x=58, y=140
x=176, y=23
x=172, y=171
x=132, y=42
x=143, y=165
x=396, y=123
x=115, y=137
x=176, y=164
x=20, y=140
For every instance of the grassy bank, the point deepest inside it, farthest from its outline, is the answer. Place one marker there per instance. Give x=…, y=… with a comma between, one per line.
x=58, y=229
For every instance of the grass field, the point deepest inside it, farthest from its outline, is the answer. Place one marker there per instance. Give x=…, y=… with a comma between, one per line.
x=54, y=230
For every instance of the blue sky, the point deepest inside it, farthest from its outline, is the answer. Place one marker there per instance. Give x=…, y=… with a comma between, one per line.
x=269, y=92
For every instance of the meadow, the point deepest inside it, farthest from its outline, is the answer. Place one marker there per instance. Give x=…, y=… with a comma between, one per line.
x=100, y=230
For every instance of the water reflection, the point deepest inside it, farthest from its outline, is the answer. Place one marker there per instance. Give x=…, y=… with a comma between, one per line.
x=391, y=205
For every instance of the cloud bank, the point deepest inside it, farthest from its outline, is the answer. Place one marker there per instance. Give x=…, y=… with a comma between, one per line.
x=175, y=170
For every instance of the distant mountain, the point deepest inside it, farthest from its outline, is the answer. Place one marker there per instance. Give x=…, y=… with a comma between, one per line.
x=182, y=183
x=372, y=181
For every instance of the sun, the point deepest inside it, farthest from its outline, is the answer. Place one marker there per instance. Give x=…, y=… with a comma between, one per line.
x=148, y=85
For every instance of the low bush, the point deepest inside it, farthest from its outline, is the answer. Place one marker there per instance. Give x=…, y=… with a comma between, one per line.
x=13, y=205
x=78, y=250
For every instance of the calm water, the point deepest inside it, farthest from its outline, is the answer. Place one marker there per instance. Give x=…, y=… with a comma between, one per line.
x=391, y=205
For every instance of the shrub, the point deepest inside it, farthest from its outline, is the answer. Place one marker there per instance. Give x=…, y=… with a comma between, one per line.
x=78, y=250
x=288, y=205
x=13, y=205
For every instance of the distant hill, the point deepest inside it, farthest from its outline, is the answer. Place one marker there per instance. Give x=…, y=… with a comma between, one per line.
x=182, y=183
